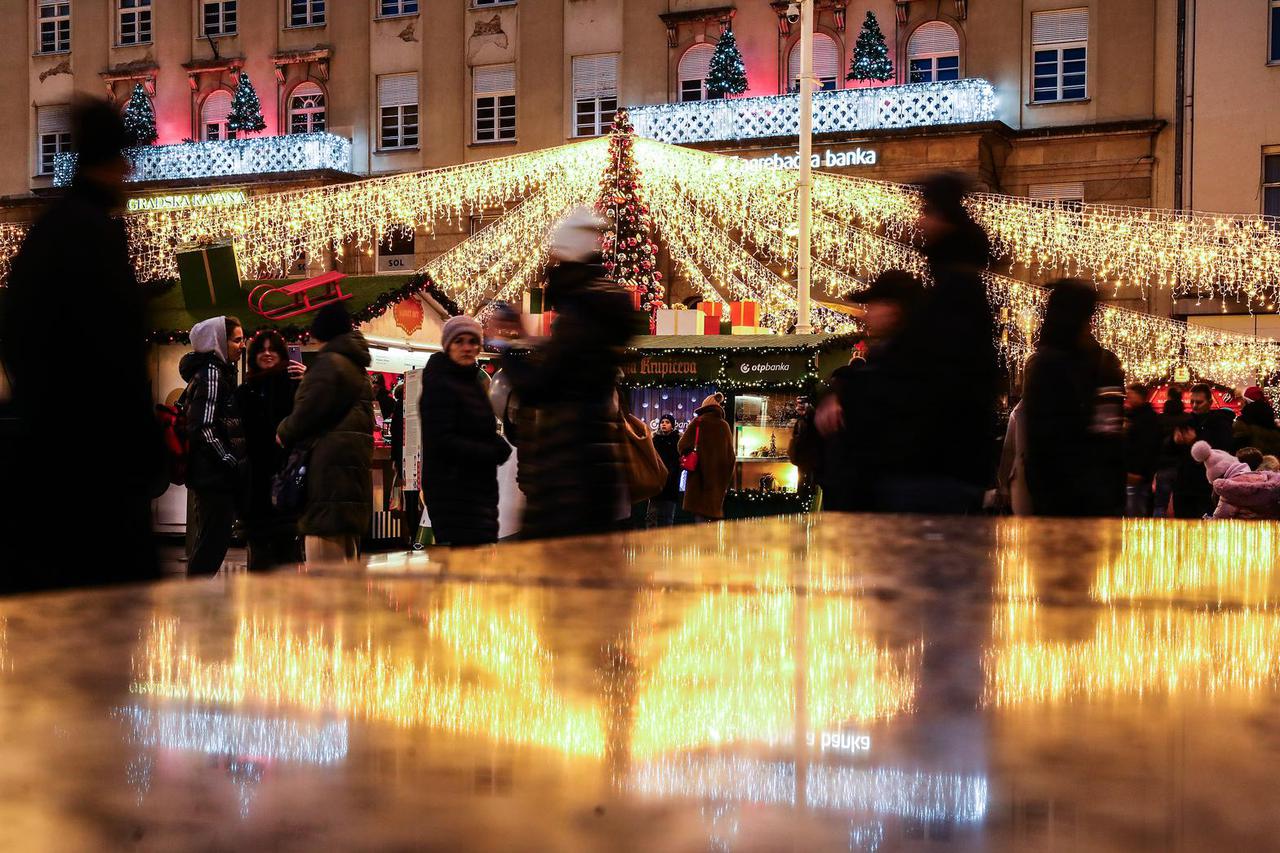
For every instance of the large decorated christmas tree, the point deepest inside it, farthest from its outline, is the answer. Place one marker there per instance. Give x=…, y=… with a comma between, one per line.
x=871, y=54
x=140, y=118
x=726, y=74
x=629, y=253
x=246, y=110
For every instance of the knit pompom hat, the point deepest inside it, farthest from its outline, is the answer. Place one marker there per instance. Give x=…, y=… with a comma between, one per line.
x=460, y=325
x=1218, y=464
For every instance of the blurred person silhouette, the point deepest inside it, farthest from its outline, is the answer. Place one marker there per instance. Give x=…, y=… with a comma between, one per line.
x=570, y=462
x=1256, y=426
x=461, y=446
x=110, y=454
x=854, y=428
x=1143, y=440
x=265, y=399
x=1073, y=404
x=1167, y=464
x=943, y=364
x=217, y=468
x=333, y=416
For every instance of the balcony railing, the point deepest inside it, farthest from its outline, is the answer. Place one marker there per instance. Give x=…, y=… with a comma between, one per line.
x=298, y=152
x=912, y=105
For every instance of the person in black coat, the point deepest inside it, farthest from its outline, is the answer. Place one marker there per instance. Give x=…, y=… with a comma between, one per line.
x=71, y=316
x=461, y=447
x=662, y=507
x=1192, y=493
x=265, y=398
x=1143, y=440
x=1073, y=404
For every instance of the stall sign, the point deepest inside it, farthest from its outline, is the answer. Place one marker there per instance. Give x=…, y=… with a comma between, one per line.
x=767, y=369
x=183, y=201
x=657, y=369
x=829, y=158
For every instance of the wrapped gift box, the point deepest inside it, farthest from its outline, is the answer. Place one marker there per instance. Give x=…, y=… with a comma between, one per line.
x=210, y=277
x=749, y=330
x=690, y=323
x=726, y=326
x=711, y=326
x=666, y=321
x=712, y=309
x=637, y=299
x=533, y=300
x=746, y=313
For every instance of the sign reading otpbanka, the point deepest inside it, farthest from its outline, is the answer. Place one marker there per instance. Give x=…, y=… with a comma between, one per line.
x=827, y=159
x=180, y=201
x=758, y=369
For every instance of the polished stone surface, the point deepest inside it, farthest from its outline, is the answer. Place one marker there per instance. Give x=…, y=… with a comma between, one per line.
x=832, y=683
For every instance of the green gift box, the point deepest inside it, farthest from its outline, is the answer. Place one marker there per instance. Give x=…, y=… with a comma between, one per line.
x=210, y=276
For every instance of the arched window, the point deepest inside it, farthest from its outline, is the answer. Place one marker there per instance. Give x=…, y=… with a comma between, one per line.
x=306, y=109
x=826, y=63
x=213, y=116
x=933, y=53
x=693, y=72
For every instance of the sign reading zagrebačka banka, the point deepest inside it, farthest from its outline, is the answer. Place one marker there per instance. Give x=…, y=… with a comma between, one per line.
x=828, y=159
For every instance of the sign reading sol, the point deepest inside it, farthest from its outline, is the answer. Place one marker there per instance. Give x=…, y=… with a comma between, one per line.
x=180, y=201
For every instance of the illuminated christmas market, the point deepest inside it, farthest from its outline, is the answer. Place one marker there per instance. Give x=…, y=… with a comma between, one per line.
x=639, y=425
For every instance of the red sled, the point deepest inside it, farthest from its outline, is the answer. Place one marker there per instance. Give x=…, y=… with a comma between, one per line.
x=304, y=296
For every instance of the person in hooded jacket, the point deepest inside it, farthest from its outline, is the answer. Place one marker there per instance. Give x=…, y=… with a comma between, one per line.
x=333, y=416
x=216, y=463
x=461, y=447
x=662, y=506
x=265, y=398
x=711, y=435
x=1073, y=403
x=101, y=311
x=571, y=458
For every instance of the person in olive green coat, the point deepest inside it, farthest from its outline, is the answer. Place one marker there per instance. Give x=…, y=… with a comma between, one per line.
x=708, y=483
x=333, y=413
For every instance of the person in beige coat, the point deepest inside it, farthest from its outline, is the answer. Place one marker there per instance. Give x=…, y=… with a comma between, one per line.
x=712, y=436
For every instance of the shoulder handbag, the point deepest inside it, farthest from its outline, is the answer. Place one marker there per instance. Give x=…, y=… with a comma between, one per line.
x=689, y=461
x=646, y=474
x=289, y=486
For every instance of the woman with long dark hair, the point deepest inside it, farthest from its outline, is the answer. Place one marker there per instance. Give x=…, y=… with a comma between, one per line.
x=265, y=398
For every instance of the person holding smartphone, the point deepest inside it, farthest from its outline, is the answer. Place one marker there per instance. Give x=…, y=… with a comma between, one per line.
x=265, y=398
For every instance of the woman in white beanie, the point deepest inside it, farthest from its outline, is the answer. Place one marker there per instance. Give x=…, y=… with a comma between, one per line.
x=461, y=447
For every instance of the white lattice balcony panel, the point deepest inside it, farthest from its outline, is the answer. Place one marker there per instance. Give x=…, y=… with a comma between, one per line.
x=912, y=105
x=299, y=152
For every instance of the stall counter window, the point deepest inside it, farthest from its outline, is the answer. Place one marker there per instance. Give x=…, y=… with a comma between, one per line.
x=763, y=424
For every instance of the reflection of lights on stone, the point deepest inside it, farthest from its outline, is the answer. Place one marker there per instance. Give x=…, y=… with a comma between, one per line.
x=1138, y=650
x=497, y=679
x=881, y=790
x=217, y=733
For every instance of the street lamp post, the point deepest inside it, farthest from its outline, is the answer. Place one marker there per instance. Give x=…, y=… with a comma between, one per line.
x=803, y=272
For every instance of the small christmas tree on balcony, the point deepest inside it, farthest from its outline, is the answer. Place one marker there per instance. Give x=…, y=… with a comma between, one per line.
x=246, y=110
x=139, y=118
x=628, y=252
x=726, y=75
x=871, y=54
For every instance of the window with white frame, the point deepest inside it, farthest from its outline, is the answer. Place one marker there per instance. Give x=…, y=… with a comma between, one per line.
x=133, y=22
x=53, y=23
x=933, y=53
x=393, y=8
x=1069, y=194
x=213, y=116
x=306, y=13
x=695, y=64
x=306, y=109
x=826, y=63
x=218, y=17
x=53, y=136
x=1271, y=182
x=595, y=93
x=397, y=111
x=1060, y=53
x=493, y=89
x=1273, y=27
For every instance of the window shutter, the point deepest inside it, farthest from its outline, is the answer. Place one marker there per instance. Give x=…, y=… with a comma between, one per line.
x=216, y=107
x=1057, y=192
x=492, y=79
x=595, y=77
x=55, y=119
x=696, y=62
x=933, y=39
x=398, y=90
x=1061, y=26
x=826, y=59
